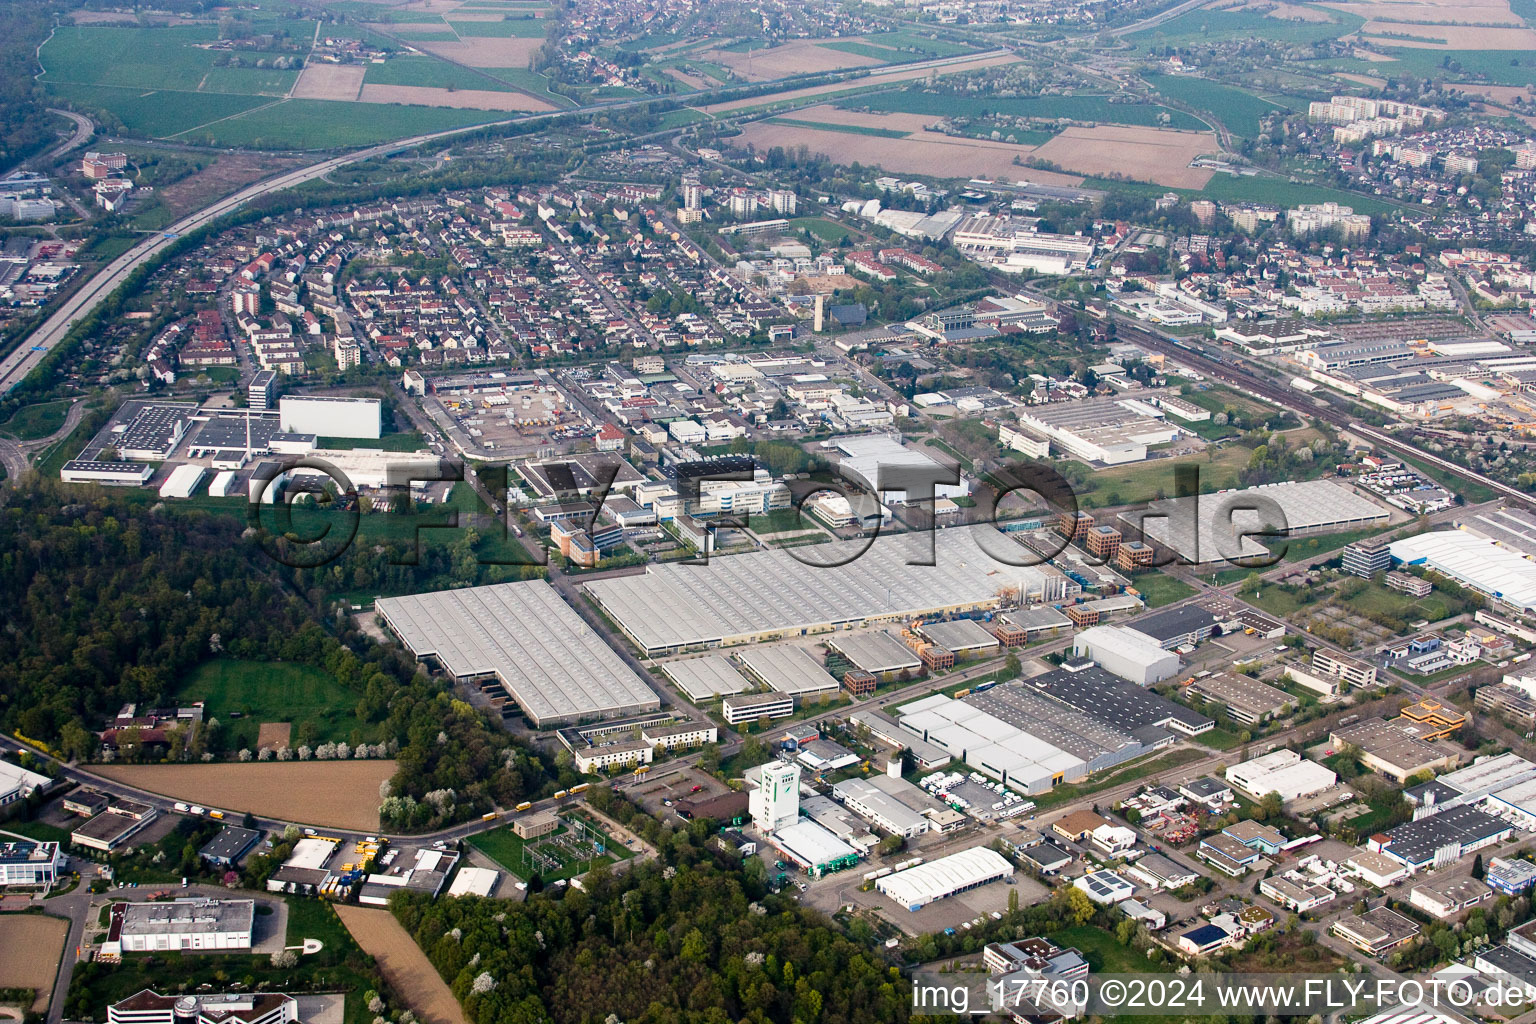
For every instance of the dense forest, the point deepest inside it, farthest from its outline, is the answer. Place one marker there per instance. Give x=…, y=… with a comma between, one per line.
x=107, y=601
x=26, y=127
x=657, y=944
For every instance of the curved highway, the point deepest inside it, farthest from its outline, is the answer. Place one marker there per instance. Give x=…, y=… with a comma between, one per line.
x=26, y=357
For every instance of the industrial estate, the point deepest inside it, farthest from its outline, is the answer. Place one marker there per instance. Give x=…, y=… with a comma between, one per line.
x=601, y=512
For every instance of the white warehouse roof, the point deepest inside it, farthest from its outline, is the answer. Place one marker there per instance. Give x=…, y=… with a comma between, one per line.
x=788, y=670
x=738, y=598
x=918, y=886
x=551, y=662
x=709, y=676
x=1480, y=564
x=1213, y=527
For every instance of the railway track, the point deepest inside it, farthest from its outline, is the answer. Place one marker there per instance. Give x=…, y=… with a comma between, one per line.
x=1236, y=375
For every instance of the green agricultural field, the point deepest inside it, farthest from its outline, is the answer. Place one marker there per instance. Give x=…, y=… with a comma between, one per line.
x=157, y=114
x=1498, y=67
x=330, y=124
x=911, y=40
x=1234, y=189
x=430, y=73
x=146, y=58
x=1201, y=26
x=846, y=129
x=1240, y=111
x=520, y=28
x=275, y=691
x=1077, y=108
x=880, y=53
x=249, y=81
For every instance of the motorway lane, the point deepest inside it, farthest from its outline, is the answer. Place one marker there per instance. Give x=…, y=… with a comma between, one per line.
x=18, y=364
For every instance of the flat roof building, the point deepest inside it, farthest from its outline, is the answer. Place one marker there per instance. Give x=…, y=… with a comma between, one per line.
x=1246, y=699
x=814, y=848
x=916, y=887
x=749, y=707
x=1474, y=562
x=873, y=800
x=226, y=848
x=23, y=863
x=1281, y=771
x=1387, y=748
x=183, y=924
x=710, y=676
x=1220, y=527
x=772, y=595
x=551, y=662
x=877, y=652
x=789, y=670
x=1441, y=839
x=1127, y=653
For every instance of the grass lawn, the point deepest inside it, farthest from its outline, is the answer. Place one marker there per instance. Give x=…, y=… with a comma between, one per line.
x=32, y=422
x=1104, y=952
x=846, y=129
x=506, y=849
x=1145, y=481
x=1158, y=590
x=782, y=520
x=1274, y=600
x=39, y=830
x=406, y=441
x=1474, y=493
x=1219, y=738
x=274, y=692
x=1298, y=548
x=1136, y=770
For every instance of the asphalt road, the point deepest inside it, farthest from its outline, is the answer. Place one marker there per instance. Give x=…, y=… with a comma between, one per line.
x=31, y=352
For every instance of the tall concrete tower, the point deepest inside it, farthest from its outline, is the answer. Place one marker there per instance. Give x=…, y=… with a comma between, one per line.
x=821, y=313
x=773, y=795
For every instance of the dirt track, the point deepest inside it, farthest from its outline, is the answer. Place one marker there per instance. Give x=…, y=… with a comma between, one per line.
x=405, y=966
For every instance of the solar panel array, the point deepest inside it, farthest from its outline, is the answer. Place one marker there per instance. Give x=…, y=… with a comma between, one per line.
x=551, y=662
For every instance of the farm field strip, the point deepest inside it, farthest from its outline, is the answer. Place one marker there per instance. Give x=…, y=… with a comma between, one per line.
x=403, y=963
x=335, y=794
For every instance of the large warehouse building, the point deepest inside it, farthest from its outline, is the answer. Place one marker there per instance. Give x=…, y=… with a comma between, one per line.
x=771, y=595
x=916, y=887
x=327, y=416
x=1216, y=527
x=1023, y=760
x=1282, y=771
x=182, y=924
x=1127, y=653
x=1474, y=562
x=552, y=663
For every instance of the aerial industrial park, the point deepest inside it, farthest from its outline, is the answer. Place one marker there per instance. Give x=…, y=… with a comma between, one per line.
x=657, y=511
